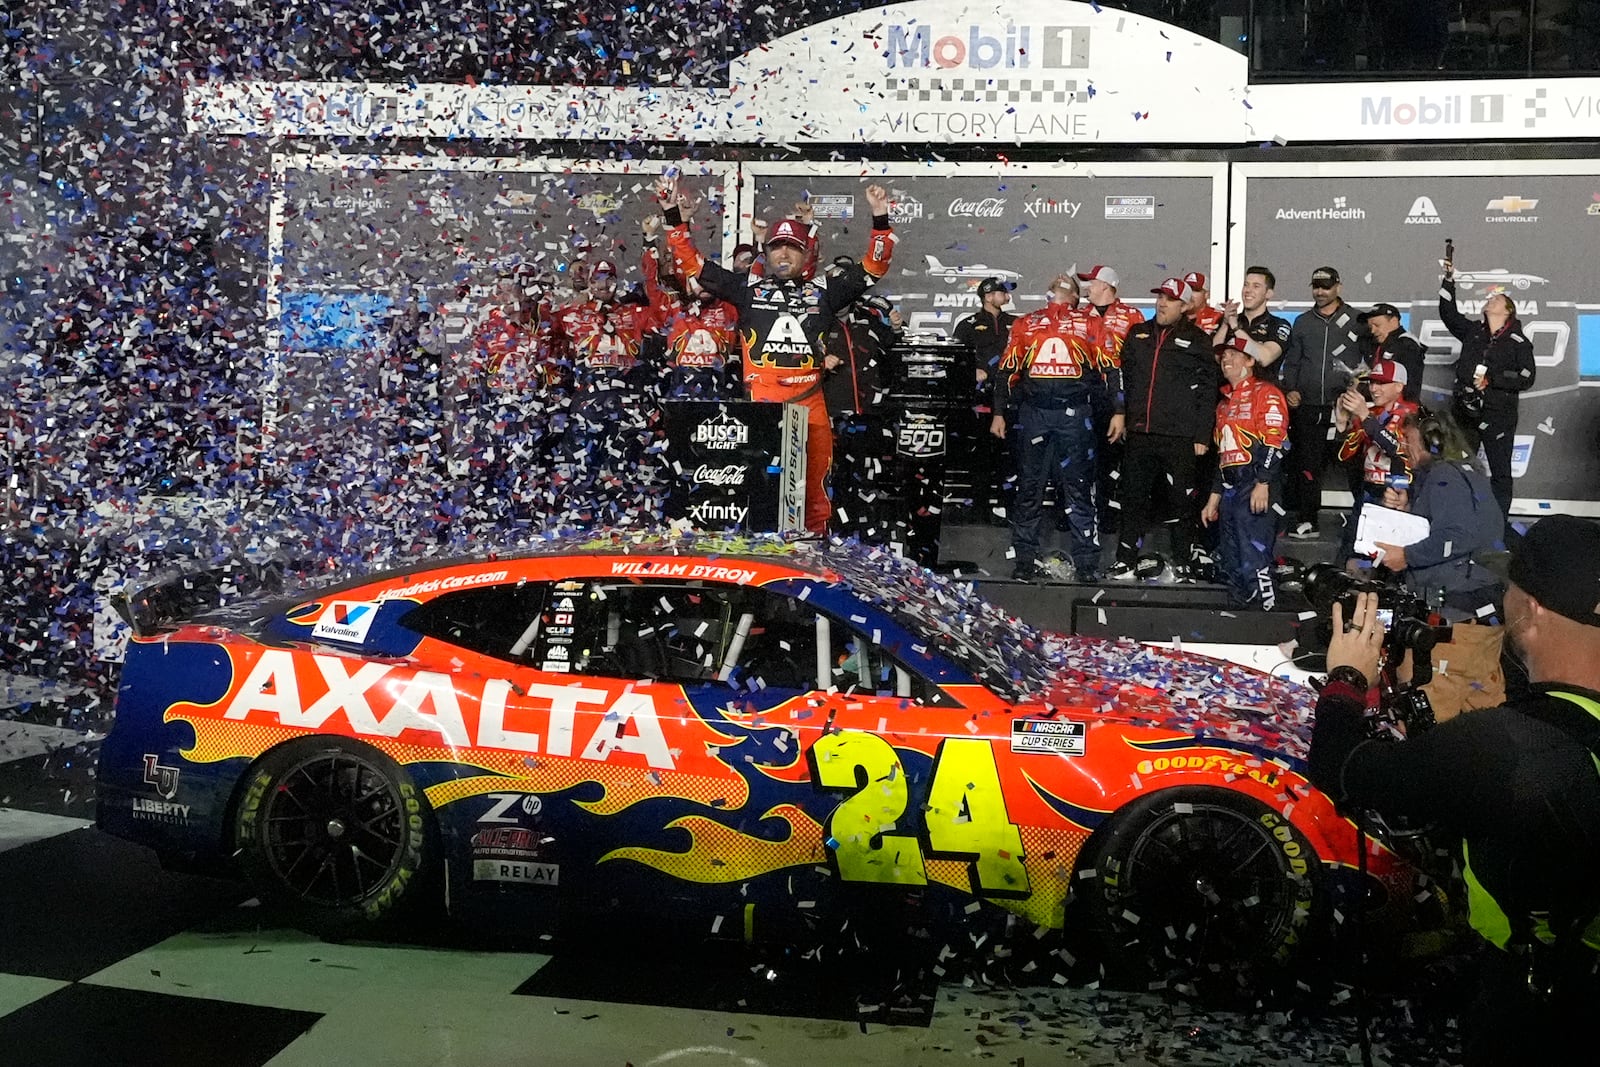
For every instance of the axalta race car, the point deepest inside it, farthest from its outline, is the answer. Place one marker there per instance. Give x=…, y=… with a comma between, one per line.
x=746, y=733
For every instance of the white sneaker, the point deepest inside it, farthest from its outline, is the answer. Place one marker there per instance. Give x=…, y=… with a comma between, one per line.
x=1122, y=572
x=1306, y=531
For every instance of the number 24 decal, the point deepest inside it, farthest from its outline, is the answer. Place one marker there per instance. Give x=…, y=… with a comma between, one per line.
x=965, y=817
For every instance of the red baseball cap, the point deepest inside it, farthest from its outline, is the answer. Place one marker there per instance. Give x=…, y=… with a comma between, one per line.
x=1100, y=273
x=1176, y=288
x=1387, y=371
x=603, y=266
x=789, y=231
x=1195, y=280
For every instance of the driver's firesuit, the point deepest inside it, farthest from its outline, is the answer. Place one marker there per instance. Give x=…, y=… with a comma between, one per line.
x=1252, y=428
x=781, y=327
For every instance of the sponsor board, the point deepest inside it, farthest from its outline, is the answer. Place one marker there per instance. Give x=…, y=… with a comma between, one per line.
x=1423, y=213
x=1130, y=207
x=723, y=433
x=903, y=207
x=833, y=207
x=1521, y=454
x=729, y=474
x=729, y=513
x=520, y=873
x=1512, y=209
x=989, y=207
x=346, y=620
x=1059, y=736
x=1339, y=210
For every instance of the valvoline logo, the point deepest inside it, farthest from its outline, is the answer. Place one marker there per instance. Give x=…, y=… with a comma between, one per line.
x=345, y=620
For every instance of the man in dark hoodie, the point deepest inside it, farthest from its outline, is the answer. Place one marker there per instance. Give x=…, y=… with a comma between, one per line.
x=1321, y=357
x=1170, y=383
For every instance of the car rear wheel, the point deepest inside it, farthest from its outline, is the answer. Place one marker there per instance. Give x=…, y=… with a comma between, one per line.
x=337, y=834
x=1203, y=889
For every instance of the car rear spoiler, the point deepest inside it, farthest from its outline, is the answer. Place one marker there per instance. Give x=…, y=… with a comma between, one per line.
x=178, y=597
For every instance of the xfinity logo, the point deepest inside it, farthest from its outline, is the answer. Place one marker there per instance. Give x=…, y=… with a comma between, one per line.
x=1341, y=211
x=732, y=474
x=1040, y=206
x=1423, y=213
x=730, y=513
x=988, y=208
x=1511, y=209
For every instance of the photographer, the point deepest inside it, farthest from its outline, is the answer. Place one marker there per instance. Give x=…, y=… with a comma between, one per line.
x=1446, y=568
x=1517, y=783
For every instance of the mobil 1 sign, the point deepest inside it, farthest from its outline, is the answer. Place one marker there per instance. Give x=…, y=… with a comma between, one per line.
x=960, y=224
x=1530, y=236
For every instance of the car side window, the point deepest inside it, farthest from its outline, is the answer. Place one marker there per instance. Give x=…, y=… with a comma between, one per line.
x=697, y=634
x=858, y=664
x=499, y=620
x=678, y=632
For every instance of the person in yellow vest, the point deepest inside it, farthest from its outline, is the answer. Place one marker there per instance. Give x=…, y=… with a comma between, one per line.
x=1519, y=784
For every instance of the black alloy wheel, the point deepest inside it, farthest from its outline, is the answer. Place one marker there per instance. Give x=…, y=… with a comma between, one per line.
x=335, y=831
x=1205, y=888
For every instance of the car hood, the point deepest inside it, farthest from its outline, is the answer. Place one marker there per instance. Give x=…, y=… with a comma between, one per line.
x=1176, y=690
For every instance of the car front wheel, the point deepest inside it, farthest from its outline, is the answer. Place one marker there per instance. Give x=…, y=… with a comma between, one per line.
x=337, y=834
x=1204, y=889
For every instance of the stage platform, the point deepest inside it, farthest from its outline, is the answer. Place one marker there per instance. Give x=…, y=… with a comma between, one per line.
x=1191, y=613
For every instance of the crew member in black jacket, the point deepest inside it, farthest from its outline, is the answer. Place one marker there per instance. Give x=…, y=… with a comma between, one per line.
x=1387, y=339
x=1517, y=784
x=1496, y=363
x=988, y=330
x=1167, y=405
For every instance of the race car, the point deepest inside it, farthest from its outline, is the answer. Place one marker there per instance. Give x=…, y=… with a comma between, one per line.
x=746, y=732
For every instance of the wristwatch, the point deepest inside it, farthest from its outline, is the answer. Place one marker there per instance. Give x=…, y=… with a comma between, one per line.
x=1349, y=676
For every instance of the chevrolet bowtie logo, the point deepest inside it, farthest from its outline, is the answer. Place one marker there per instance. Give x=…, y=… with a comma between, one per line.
x=1511, y=205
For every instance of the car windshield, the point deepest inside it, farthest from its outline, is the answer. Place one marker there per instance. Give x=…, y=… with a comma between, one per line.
x=1004, y=653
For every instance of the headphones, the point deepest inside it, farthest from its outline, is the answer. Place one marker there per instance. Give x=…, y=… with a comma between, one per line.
x=1432, y=431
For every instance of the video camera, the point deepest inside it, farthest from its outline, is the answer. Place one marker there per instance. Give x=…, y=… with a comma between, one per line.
x=1409, y=625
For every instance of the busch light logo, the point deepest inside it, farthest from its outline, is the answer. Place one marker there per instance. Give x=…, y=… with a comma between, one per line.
x=723, y=433
x=903, y=207
x=990, y=207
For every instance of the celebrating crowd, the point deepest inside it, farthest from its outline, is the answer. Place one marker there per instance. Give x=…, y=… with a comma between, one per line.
x=1222, y=422
x=1215, y=423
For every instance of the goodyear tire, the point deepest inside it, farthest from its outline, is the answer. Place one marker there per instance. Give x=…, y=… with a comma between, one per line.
x=1205, y=890
x=337, y=835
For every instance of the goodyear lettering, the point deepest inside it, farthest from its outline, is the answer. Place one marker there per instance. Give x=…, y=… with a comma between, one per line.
x=458, y=711
x=1216, y=763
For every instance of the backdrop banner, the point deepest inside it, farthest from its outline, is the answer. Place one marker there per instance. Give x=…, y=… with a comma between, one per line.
x=1528, y=228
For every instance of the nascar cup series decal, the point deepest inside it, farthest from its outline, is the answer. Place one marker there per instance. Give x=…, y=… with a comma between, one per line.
x=345, y=620
x=1049, y=735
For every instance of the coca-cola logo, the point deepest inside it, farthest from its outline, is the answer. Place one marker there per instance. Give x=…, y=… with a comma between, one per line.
x=990, y=207
x=732, y=474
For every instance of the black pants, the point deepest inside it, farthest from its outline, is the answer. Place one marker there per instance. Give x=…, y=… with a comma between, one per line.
x=1309, y=450
x=1157, y=466
x=1508, y=1026
x=1496, y=431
